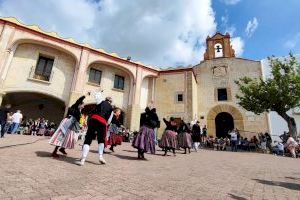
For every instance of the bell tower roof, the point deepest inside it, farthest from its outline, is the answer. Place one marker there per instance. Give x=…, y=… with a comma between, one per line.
x=218, y=46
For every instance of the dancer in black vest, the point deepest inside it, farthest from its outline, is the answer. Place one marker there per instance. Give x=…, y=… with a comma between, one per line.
x=97, y=126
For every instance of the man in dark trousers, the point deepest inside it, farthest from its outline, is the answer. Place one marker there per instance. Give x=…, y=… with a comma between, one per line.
x=4, y=114
x=196, y=135
x=97, y=126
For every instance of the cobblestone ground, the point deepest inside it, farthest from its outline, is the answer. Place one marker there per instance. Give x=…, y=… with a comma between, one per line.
x=28, y=172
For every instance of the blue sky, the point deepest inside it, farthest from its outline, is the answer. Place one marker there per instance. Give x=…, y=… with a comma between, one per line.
x=165, y=34
x=278, y=30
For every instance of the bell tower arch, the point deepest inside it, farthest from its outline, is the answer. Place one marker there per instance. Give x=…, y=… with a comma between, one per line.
x=218, y=46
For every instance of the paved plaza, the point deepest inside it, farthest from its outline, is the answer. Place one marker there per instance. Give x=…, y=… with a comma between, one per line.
x=28, y=172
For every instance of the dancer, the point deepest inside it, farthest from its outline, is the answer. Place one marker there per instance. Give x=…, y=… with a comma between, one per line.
x=196, y=135
x=168, y=139
x=65, y=136
x=185, y=140
x=97, y=126
x=114, y=138
x=144, y=140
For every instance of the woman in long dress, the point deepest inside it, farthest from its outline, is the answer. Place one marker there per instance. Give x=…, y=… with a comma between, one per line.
x=144, y=140
x=65, y=135
x=114, y=138
x=169, y=138
x=185, y=139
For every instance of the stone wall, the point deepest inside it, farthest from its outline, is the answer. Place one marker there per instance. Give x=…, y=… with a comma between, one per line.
x=221, y=73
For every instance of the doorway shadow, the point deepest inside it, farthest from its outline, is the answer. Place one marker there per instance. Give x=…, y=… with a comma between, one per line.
x=291, y=186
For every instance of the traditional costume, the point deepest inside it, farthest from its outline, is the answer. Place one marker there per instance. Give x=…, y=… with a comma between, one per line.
x=144, y=140
x=196, y=135
x=66, y=134
x=114, y=137
x=184, y=137
x=97, y=126
x=169, y=138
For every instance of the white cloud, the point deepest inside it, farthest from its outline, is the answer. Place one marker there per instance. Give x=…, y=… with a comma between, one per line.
x=154, y=32
x=230, y=2
x=238, y=46
x=293, y=42
x=251, y=27
x=225, y=24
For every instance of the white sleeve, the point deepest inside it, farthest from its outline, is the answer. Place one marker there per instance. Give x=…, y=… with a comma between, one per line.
x=98, y=97
x=110, y=118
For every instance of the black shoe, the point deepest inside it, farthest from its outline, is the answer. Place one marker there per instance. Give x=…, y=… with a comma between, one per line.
x=112, y=149
x=63, y=151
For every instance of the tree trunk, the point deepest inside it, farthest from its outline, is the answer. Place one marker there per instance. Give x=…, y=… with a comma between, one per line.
x=291, y=124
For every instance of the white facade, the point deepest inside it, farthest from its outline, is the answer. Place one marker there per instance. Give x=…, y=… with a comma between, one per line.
x=276, y=123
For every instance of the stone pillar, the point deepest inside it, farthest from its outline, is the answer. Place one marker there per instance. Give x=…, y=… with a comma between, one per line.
x=79, y=77
x=134, y=110
x=1, y=98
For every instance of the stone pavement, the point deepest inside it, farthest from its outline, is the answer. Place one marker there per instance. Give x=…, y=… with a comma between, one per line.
x=28, y=172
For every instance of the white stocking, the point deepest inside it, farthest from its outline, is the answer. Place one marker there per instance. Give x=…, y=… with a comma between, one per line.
x=100, y=149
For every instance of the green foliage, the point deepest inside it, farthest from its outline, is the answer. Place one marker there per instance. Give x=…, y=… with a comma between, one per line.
x=279, y=93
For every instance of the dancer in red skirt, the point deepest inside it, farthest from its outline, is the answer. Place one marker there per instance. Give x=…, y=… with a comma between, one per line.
x=114, y=138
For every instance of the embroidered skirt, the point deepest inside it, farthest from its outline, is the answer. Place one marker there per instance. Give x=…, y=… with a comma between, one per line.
x=115, y=139
x=66, y=140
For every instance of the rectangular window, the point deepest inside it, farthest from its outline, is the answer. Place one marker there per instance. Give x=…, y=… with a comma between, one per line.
x=95, y=76
x=119, y=82
x=179, y=97
x=44, y=68
x=222, y=94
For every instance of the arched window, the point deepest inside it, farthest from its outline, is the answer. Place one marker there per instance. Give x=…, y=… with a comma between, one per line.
x=218, y=50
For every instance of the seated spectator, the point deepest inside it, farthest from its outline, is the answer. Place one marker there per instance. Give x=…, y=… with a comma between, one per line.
x=222, y=144
x=245, y=145
x=279, y=149
x=292, y=146
x=216, y=144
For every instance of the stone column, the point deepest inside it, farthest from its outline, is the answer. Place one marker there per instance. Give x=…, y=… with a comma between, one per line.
x=1, y=98
x=79, y=77
x=134, y=110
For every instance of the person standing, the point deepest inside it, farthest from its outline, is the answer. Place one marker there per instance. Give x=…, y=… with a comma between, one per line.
x=97, y=126
x=114, y=138
x=204, y=134
x=144, y=140
x=196, y=135
x=65, y=135
x=169, y=138
x=233, y=140
x=185, y=139
x=4, y=115
x=16, y=120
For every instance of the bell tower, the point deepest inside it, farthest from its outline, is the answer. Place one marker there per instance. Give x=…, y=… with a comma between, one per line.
x=218, y=46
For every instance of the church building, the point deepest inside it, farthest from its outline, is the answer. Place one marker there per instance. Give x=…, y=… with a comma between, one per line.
x=42, y=74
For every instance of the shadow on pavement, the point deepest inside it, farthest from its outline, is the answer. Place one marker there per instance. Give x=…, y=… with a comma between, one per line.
x=62, y=158
x=293, y=178
x=291, y=186
x=128, y=157
x=236, y=197
x=16, y=145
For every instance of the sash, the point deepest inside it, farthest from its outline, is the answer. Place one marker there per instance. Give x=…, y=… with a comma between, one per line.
x=104, y=122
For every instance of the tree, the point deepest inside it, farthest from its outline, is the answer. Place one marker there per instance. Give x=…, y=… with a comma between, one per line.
x=280, y=92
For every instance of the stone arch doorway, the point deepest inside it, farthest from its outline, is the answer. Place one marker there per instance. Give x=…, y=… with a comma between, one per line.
x=224, y=123
x=34, y=105
x=231, y=110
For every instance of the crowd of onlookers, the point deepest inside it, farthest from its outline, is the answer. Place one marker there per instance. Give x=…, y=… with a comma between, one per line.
x=261, y=143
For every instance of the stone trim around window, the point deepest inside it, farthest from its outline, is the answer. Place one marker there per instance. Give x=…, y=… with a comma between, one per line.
x=176, y=97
